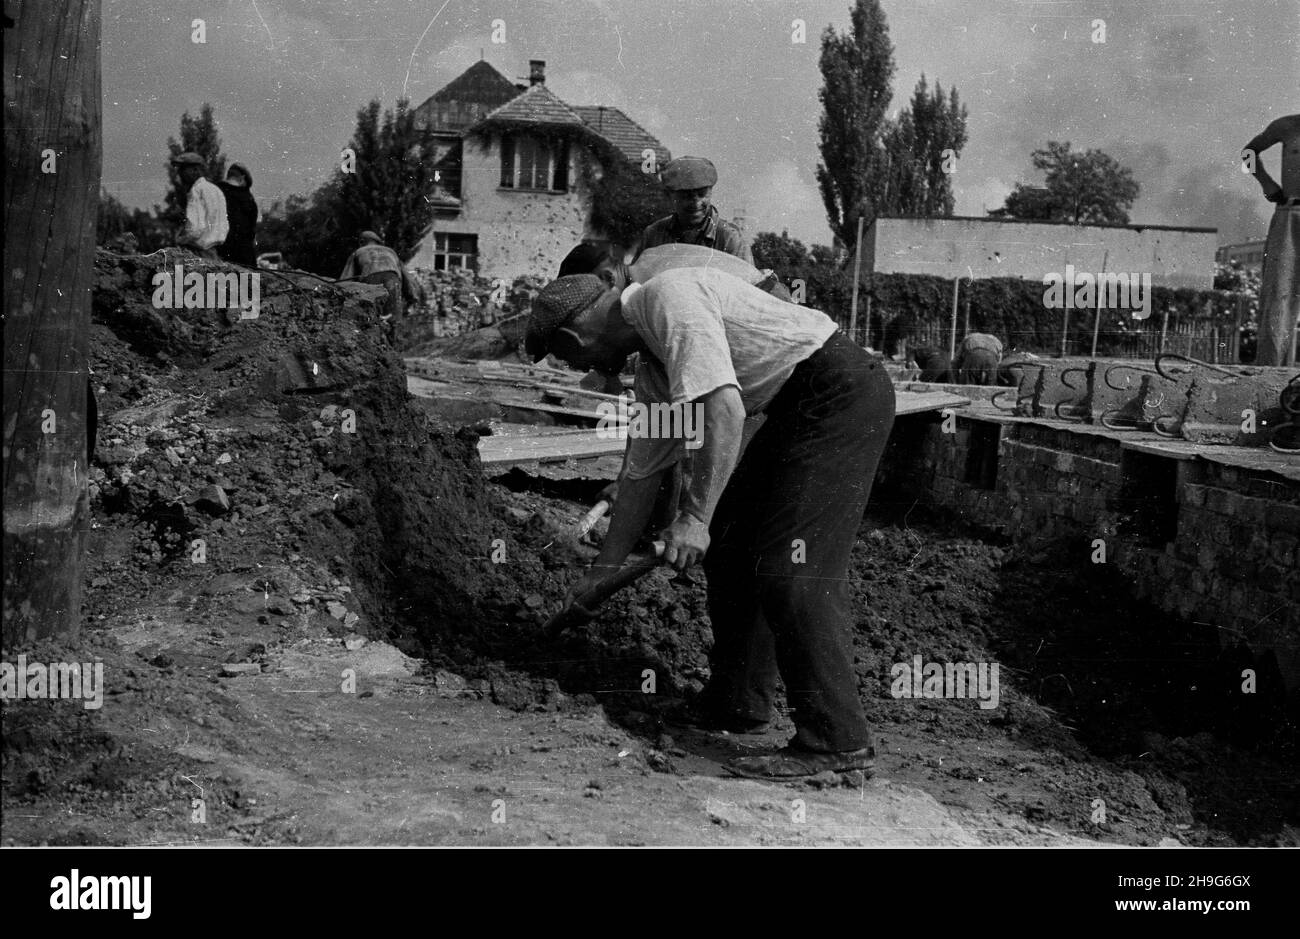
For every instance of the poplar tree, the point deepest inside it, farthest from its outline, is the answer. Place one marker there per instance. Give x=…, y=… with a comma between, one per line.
x=393, y=176
x=921, y=148
x=857, y=68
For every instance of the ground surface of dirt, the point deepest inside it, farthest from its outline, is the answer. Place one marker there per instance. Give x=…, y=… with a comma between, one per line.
x=357, y=658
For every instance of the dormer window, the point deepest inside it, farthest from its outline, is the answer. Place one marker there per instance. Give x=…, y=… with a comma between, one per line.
x=529, y=163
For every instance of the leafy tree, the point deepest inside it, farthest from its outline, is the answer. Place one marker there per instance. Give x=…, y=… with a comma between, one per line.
x=625, y=200
x=394, y=174
x=857, y=68
x=1082, y=188
x=917, y=149
x=198, y=135
x=827, y=285
x=386, y=194
x=781, y=253
x=872, y=165
x=115, y=221
x=307, y=232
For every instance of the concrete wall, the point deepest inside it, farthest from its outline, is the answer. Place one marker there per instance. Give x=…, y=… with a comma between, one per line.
x=519, y=232
x=965, y=247
x=1208, y=542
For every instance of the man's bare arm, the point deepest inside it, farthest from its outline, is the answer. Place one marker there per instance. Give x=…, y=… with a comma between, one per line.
x=1257, y=145
x=714, y=462
x=636, y=500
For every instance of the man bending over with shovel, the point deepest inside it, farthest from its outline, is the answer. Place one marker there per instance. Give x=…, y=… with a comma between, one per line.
x=774, y=533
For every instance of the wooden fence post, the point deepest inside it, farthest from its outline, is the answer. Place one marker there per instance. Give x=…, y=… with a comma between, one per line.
x=952, y=336
x=51, y=191
x=1236, y=329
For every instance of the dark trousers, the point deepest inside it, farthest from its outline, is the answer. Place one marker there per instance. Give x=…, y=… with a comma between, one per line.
x=978, y=367
x=780, y=543
x=238, y=251
x=392, y=282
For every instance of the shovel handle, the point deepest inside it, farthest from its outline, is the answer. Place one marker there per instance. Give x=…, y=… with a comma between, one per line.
x=592, y=517
x=633, y=569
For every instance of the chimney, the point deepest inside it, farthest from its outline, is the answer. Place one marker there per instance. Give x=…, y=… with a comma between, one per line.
x=536, y=72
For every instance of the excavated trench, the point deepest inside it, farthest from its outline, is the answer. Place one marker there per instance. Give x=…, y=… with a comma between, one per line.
x=1108, y=693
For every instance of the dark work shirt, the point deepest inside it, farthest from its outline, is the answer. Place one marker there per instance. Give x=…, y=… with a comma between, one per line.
x=714, y=233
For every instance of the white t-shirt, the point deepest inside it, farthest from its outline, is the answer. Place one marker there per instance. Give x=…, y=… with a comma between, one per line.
x=706, y=329
x=206, y=224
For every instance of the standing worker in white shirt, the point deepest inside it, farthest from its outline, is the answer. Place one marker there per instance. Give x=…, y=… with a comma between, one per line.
x=206, y=224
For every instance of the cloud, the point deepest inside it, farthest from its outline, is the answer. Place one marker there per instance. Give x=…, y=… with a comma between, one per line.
x=1209, y=195
x=777, y=198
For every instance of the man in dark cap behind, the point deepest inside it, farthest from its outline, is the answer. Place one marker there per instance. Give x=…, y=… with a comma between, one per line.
x=376, y=263
x=779, y=525
x=243, y=215
x=695, y=219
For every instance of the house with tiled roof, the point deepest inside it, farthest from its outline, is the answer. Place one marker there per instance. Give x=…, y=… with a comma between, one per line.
x=516, y=166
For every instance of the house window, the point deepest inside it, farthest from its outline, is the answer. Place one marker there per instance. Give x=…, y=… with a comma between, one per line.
x=529, y=163
x=451, y=251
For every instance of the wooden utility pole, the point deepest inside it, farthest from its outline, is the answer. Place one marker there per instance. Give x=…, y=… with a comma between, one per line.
x=51, y=191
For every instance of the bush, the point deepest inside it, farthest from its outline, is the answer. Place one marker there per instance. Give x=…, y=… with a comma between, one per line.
x=919, y=306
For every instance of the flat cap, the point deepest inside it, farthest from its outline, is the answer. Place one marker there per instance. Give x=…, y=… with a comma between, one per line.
x=689, y=173
x=188, y=158
x=556, y=304
x=371, y=236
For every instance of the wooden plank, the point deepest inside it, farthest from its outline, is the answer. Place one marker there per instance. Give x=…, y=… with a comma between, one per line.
x=916, y=402
x=491, y=366
x=53, y=148
x=571, y=390
x=591, y=415
x=427, y=387
x=576, y=445
x=549, y=448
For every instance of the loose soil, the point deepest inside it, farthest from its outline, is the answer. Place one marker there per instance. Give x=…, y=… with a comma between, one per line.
x=386, y=602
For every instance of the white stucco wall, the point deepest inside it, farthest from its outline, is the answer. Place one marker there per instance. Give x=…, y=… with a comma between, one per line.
x=959, y=247
x=519, y=232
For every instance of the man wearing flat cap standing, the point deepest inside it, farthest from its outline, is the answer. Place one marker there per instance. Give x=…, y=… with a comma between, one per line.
x=775, y=528
x=206, y=224
x=695, y=219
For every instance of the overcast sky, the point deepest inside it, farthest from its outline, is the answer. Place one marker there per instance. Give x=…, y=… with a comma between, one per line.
x=1176, y=90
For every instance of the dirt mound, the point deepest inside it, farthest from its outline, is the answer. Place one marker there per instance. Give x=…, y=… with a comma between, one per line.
x=283, y=443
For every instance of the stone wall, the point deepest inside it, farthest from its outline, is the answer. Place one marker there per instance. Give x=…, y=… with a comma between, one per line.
x=1207, y=541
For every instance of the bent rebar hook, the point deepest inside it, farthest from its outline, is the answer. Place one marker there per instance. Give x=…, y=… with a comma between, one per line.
x=1290, y=400
x=1164, y=356
x=1124, y=365
x=1071, y=401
